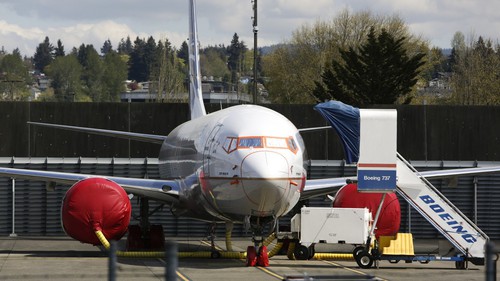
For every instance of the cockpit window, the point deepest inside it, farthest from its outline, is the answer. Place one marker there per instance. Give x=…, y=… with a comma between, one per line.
x=230, y=144
x=276, y=142
x=250, y=142
x=233, y=143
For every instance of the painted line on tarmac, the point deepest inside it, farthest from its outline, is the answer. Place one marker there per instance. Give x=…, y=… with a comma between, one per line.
x=178, y=273
x=350, y=269
x=263, y=269
x=270, y=272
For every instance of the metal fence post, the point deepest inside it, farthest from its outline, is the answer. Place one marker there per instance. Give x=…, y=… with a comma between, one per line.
x=171, y=261
x=112, y=261
x=491, y=262
x=13, y=234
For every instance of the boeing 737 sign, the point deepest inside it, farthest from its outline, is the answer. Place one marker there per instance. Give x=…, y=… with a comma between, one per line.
x=377, y=150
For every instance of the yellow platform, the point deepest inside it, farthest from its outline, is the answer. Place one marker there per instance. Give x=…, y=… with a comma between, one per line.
x=401, y=244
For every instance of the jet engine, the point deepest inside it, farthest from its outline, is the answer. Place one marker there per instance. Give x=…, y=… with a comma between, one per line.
x=390, y=215
x=95, y=204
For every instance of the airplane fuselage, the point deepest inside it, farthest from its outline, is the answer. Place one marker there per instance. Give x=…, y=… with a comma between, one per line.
x=235, y=164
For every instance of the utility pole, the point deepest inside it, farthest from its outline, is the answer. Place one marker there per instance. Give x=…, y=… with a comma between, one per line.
x=255, y=30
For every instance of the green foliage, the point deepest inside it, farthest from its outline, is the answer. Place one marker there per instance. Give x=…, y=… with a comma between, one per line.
x=107, y=47
x=292, y=68
x=59, y=49
x=213, y=62
x=44, y=54
x=114, y=73
x=476, y=72
x=92, y=72
x=65, y=73
x=13, y=77
x=380, y=72
x=166, y=74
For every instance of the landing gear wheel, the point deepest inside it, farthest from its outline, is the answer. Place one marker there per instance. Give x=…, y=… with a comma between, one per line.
x=460, y=265
x=215, y=255
x=134, y=239
x=364, y=259
x=357, y=250
x=157, y=238
x=301, y=252
x=263, y=258
x=251, y=256
x=312, y=252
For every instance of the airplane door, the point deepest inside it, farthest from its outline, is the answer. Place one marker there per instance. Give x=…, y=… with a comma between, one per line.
x=210, y=148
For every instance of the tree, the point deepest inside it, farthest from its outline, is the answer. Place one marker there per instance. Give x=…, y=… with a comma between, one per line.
x=13, y=77
x=213, y=62
x=234, y=59
x=476, y=71
x=44, y=54
x=65, y=73
x=114, y=73
x=379, y=73
x=125, y=46
x=183, y=52
x=106, y=47
x=166, y=74
x=59, y=50
x=292, y=67
x=137, y=65
x=92, y=72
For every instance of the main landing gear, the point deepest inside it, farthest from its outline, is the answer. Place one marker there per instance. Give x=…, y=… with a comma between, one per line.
x=145, y=235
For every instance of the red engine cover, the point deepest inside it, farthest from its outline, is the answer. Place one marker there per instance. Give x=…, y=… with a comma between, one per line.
x=95, y=204
x=390, y=215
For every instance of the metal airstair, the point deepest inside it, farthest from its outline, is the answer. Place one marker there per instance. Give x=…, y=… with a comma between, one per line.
x=461, y=232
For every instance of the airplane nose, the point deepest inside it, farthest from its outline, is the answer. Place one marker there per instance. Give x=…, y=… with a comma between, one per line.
x=265, y=180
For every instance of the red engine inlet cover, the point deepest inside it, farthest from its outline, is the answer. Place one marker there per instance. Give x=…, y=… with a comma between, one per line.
x=95, y=204
x=390, y=215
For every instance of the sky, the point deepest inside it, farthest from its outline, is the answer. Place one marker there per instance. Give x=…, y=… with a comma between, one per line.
x=25, y=23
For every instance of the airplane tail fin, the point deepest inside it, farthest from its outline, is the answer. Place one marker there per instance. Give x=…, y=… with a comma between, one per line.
x=196, y=106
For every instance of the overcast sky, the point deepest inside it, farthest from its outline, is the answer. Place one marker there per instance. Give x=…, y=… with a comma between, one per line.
x=25, y=23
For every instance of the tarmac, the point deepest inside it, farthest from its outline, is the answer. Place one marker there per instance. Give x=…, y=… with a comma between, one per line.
x=61, y=258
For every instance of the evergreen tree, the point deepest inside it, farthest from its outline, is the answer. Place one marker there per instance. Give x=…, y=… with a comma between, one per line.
x=59, y=50
x=234, y=59
x=137, y=66
x=379, y=73
x=44, y=54
x=183, y=52
x=92, y=71
x=106, y=47
x=125, y=46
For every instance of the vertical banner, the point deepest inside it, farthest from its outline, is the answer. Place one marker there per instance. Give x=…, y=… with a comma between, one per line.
x=378, y=150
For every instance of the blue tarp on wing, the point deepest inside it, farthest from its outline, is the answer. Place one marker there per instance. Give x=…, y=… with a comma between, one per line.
x=345, y=120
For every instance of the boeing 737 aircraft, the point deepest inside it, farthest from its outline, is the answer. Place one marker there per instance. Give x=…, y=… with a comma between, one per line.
x=243, y=164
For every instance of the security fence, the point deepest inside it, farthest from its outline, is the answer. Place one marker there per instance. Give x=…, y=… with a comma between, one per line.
x=30, y=208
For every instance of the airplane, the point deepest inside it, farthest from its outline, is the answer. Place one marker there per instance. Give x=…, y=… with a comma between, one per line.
x=243, y=164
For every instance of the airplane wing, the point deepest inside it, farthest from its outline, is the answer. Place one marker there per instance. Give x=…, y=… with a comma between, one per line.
x=161, y=190
x=318, y=187
x=110, y=133
x=439, y=174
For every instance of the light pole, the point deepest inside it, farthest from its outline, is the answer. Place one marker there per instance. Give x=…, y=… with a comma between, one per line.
x=255, y=30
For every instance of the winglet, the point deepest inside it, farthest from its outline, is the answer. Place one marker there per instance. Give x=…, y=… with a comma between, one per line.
x=196, y=106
